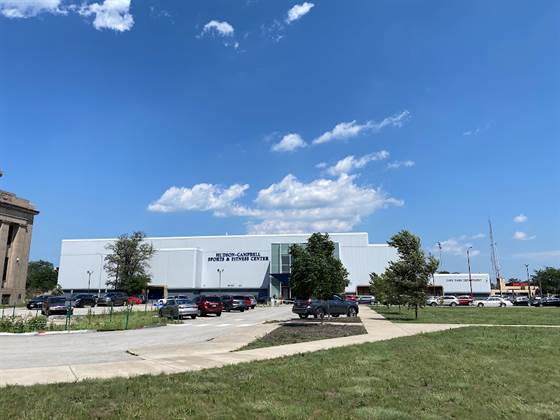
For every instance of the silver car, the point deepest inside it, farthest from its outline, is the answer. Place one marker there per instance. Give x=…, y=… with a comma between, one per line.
x=178, y=308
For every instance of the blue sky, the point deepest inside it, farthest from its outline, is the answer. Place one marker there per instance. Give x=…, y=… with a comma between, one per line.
x=206, y=117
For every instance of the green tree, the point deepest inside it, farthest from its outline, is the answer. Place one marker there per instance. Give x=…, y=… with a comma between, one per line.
x=548, y=278
x=41, y=276
x=128, y=263
x=409, y=276
x=383, y=290
x=315, y=269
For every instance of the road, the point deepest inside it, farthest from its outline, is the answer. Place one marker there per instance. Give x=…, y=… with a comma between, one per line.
x=96, y=347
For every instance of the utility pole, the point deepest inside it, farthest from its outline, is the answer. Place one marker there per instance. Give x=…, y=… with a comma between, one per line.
x=494, y=258
x=469, y=265
x=89, y=273
x=528, y=284
x=220, y=271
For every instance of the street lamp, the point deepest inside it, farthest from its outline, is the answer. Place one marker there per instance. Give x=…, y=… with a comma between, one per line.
x=528, y=284
x=469, y=265
x=220, y=271
x=89, y=273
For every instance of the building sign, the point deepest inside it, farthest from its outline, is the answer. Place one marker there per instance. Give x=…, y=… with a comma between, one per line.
x=237, y=256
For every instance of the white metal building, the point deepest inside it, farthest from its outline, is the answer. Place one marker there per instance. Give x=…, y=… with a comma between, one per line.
x=460, y=284
x=258, y=264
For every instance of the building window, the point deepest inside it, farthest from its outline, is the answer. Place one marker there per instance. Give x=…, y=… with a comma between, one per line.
x=12, y=231
x=5, y=272
x=282, y=260
x=5, y=299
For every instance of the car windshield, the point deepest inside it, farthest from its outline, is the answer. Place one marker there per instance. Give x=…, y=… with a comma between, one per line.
x=239, y=297
x=57, y=301
x=213, y=299
x=184, y=301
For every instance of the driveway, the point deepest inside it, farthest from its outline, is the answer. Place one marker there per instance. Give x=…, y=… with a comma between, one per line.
x=98, y=347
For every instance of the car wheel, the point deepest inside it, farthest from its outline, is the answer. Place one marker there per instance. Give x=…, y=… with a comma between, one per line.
x=453, y=304
x=335, y=315
x=193, y=316
x=352, y=312
x=480, y=305
x=199, y=312
x=320, y=313
x=433, y=304
x=502, y=305
x=219, y=314
x=228, y=310
x=303, y=316
x=242, y=309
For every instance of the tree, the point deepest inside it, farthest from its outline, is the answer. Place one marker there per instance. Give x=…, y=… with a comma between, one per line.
x=548, y=278
x=315, y=269
x=41, y=276
x=407, y=278
x=128, y=263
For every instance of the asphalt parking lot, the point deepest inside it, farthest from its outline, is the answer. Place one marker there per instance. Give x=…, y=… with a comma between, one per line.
x=96, y=347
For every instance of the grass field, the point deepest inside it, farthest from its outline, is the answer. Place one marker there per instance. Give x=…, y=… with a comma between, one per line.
x=459, y=315
x=301, y=332
x=475, y=372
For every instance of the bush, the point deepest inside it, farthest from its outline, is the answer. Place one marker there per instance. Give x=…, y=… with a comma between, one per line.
x=20, y=325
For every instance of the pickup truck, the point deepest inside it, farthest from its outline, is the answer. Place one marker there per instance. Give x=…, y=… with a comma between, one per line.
x=318, y=308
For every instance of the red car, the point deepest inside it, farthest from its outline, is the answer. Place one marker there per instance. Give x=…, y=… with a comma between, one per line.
x=465, y=300
x=134, y=300
x=209, y=305
x=350, y=298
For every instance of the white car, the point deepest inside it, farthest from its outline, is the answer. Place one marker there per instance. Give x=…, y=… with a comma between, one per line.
x=492, y=302
x=442, y=301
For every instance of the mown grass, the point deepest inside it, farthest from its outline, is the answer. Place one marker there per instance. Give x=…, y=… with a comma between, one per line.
x=290, y=333
x=475, y=372
x=461, y=315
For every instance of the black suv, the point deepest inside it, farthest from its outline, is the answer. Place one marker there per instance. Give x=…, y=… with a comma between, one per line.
x=37, y=302
x=336, y=306
x=84, y=299
x=113, y=298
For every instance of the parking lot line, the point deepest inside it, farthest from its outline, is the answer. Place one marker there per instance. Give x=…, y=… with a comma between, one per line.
x=223, y=325
x=246, y=325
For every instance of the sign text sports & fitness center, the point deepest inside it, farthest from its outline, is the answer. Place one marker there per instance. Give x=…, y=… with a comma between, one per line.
x=238, y=256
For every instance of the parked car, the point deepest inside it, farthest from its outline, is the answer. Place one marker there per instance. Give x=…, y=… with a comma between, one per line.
x=318, y=308
x=179, y=308
x=521, y=301
x=112, y=298
x=432, y=300
x=550, y=301
x=492, y=301
x=209, y=305
x=55, y=305
x=442, y=301
x=134, y=300
x=84, y=299
x=37, y=302
x=252, y=301
x=232, y=303
x=366, y=299
x=351, y=297
x=465, y=300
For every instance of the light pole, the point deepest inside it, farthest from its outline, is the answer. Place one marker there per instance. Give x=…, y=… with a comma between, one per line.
x=528, y=285
x=220, y=271
x=89, y=273
x=469, y=265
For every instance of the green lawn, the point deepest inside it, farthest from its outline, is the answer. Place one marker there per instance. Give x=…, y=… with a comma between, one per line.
x=299, y=332
x=459, y=315
x=475, y=372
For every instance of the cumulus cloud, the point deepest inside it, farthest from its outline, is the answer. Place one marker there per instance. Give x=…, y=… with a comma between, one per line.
x=400, y=163
x=111, y=14
x=220, y=28
x=351, y=163
x=287, y=206
x=458, y=246
x=521, y=218
x=201, y=197
x=298, y=11
x=289, y=143
x=523, y=236
x=346, y=130
x=30, y=8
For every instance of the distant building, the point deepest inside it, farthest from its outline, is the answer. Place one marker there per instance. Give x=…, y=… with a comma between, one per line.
x=16, y=224
x=256, y=264
x=460, y=284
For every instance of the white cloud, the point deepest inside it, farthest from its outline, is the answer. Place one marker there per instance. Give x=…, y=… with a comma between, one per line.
x=321, y=165
x=200, y=197
x=457, y=246
x=111, y=14
x=350, y=163
x=400, y=163
x=522, y=236
x=30, y=8
x=289, y=143
x=521, y=218
x=220, y=28
x=287, y=206
x=476, y=131
x=478, y=236
x=298, y=11
x=346, y=130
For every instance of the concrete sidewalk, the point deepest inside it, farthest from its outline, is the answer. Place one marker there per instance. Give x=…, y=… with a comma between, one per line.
x=214, y=353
